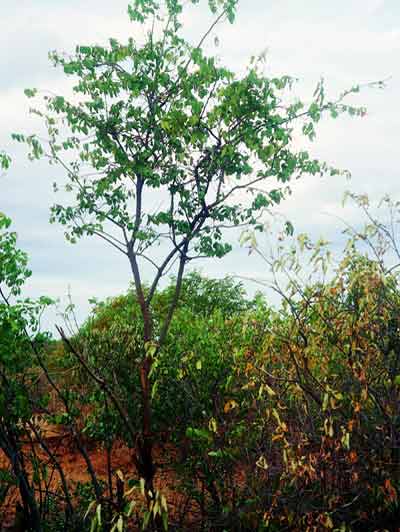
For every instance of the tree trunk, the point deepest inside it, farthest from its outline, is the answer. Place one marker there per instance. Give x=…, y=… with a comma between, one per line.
x=145, y=461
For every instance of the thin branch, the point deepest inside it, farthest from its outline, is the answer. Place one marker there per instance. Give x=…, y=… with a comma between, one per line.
x=102, y=235
x=178, y=287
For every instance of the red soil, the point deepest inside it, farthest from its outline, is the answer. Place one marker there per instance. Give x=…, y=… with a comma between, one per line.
x=75, y=470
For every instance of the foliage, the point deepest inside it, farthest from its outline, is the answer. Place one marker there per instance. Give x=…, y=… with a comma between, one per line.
x=13, y=261
x=334, y=388
x=287, y=417
x=284, y=418
x=20, y=340
x=308, y=436
x=205, y=329
x=5, y=160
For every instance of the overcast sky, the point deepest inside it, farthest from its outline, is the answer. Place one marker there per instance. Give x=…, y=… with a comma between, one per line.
x=346, y=41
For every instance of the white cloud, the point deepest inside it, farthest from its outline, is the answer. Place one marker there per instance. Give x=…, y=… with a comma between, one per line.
x=373, y=6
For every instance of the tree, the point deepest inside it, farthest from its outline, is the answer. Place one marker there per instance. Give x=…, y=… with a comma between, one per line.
x=164, y=149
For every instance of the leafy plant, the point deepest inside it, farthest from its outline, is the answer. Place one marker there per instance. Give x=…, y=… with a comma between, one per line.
x=20, y=338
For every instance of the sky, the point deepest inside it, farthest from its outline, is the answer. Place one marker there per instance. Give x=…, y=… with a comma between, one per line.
x=346, y=42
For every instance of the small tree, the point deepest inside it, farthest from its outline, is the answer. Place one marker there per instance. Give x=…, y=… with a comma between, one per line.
x=164, y=149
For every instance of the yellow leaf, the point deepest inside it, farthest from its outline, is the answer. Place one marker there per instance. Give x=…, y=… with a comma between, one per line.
x=284, y=426
x=364, y=394
x=325, y=402
x=212, y=425
x=270, y=391
x=276, y=415
x=346, y=440
x=249, y=367
x=230, y=405
x=262, y=463
x=285, y=456
x=328, y=522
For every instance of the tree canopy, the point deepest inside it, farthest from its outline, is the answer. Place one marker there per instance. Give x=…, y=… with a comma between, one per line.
x=161, y=143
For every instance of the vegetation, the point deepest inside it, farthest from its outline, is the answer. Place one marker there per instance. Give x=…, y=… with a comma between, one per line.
x=270, y=419
x=259, y=418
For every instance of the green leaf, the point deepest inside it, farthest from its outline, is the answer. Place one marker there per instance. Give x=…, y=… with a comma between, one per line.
x=30, y=93
x=98, y=514
x=89, y=509
x=200, y=434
